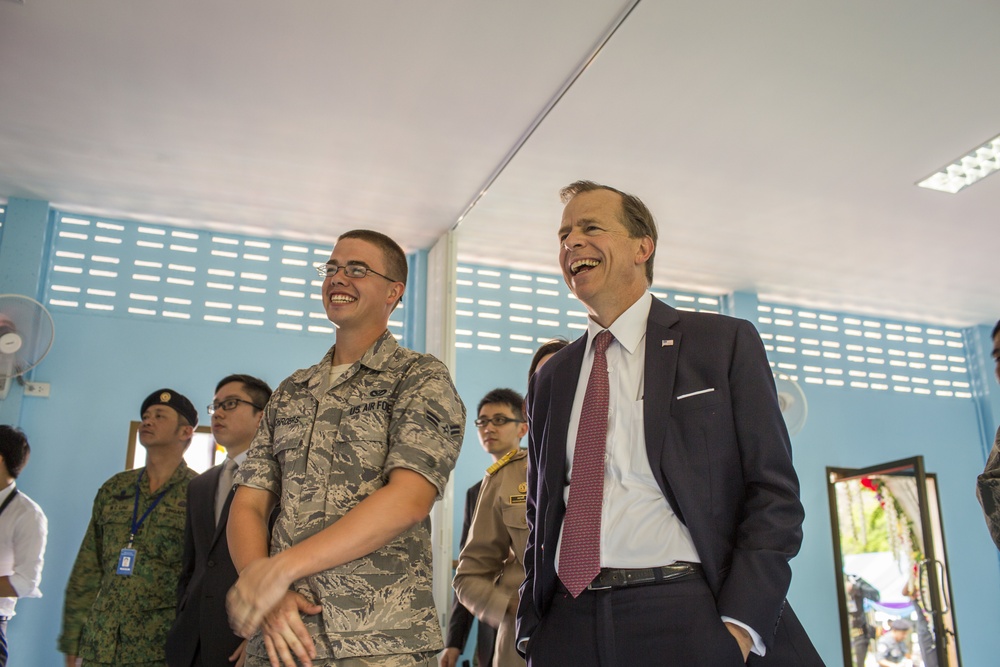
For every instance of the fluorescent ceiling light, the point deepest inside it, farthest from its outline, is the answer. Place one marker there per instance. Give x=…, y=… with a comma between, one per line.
x=966, y=170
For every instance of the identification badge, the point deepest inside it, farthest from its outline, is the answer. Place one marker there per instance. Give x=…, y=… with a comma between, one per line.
x=521, y=498
x=126, y=562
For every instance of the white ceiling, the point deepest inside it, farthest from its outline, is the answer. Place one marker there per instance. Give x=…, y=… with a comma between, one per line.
x=777, y=141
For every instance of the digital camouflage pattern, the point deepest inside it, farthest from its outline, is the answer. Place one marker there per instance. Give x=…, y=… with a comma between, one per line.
x=399, y=660
x=491, y=564
x=324, y=445
x=123, y=620
x=988, y=491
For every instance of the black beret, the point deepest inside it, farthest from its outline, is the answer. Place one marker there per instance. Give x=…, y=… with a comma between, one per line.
x=173, y=399
x=900, y=624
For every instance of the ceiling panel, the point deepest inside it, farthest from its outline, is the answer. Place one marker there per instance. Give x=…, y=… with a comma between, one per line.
x=299, y=119
x=777, y=142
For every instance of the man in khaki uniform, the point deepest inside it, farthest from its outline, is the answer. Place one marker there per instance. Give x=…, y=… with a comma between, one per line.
x=354, y=451
x=490, y=567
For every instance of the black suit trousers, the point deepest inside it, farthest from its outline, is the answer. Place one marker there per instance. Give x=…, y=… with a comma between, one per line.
x=672, y=624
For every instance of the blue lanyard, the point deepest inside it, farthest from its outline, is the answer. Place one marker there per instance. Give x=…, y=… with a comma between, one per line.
x=135, y=508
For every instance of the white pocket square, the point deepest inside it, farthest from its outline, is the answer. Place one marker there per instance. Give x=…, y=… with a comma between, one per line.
x=695, y=393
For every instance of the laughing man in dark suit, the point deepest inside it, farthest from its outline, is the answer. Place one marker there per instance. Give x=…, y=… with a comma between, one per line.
x=200, y=636
x=662, y=501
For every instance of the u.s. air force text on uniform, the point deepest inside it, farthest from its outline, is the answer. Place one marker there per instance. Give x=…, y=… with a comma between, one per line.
x=325, y=444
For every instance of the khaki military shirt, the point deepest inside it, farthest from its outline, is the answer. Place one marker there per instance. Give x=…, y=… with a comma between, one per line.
x=491, y=564
x=323, y=446
x=117, y=619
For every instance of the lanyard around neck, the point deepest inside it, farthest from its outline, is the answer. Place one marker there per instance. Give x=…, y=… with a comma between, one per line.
x=135, y=508
x=7, y=501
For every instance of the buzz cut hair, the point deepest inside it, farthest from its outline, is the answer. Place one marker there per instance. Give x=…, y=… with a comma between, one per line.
x=635, y=216
x=507, y=397
x=395, y=258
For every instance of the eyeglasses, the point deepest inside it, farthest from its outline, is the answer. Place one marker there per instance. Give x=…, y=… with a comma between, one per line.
x=350, y=270
x=499, y=420
x=229, y=405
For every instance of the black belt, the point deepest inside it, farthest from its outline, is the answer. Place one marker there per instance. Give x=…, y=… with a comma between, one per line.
x=621, y=578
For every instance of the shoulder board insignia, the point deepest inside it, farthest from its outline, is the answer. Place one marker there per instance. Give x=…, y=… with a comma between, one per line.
x=502, y=461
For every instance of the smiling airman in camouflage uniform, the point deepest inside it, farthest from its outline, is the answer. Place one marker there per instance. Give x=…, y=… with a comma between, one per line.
x=322, y=447
x=331, y=437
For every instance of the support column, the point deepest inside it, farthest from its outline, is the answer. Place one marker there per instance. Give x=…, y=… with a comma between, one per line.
x=442, y=261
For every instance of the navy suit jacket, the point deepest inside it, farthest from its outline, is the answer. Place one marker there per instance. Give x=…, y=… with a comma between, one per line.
x=206, y=576
x=722, y=459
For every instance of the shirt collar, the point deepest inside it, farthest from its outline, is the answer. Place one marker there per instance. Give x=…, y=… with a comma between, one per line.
x=241, y=457
x=629, y=328
x=317, y=378
x=7, y=490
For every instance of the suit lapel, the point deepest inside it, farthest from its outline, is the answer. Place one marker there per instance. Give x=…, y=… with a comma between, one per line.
x=561, y=392
x=220, y=530
x=662, y=352
x=203, y=512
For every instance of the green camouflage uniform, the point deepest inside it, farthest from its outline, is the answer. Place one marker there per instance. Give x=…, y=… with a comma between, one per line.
x=123, y=620
x=323, y=446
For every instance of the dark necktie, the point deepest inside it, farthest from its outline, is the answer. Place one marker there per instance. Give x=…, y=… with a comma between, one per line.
x=580, y=552
x=225, y=486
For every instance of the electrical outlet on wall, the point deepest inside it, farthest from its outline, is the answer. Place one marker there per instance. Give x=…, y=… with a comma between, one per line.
x=39, y=389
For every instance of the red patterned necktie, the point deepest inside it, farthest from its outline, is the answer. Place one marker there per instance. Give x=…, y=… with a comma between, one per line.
x=580, y=552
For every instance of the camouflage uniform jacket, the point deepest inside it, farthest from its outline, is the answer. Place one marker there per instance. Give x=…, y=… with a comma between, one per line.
x=111, y=618
x=323, y=446
x=491, y=564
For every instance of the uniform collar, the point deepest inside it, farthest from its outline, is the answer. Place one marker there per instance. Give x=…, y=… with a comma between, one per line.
x=377, y=357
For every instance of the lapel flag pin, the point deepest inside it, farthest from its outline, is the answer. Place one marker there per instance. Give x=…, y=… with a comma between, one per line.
x=666, y=343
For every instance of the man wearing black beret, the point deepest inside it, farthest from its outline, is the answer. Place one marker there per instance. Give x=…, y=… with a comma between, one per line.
x=120, y=599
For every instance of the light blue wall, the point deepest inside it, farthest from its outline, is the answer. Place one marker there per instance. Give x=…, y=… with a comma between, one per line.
x=854, y=429
x=101, y=367
x=23, y=249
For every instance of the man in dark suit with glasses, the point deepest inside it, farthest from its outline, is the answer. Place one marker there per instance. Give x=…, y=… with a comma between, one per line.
x=200, y=636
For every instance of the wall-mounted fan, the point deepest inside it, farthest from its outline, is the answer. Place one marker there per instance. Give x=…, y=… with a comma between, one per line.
x=792, y=402
x=26, y=334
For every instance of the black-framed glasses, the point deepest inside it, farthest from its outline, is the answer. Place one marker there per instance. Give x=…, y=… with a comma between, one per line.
x=350, y=270
x=498, y=420
x=229, y=405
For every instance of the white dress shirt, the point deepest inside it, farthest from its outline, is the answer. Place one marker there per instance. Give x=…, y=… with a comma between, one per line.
x=23, y=532
x=638, y=527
